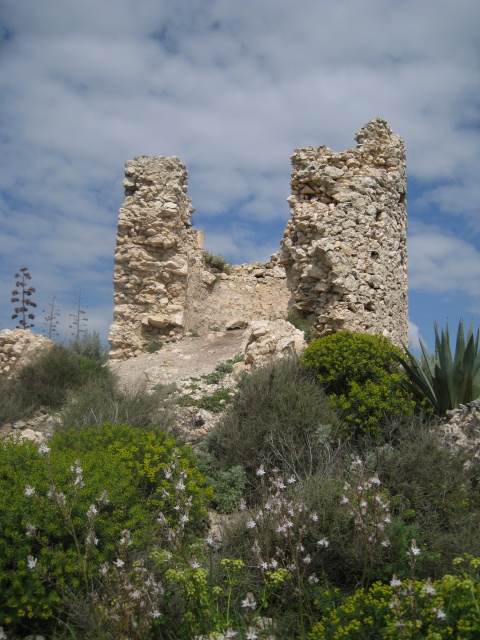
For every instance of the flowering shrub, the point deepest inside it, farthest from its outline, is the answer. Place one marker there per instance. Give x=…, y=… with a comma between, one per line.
x=63, y=512
x=446, y=608
x=362, y=378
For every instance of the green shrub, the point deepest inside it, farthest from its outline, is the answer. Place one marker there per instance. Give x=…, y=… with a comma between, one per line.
x=303, y=323
x=447, y=608
x=214, y=402
x=140, y=470
x=279, y=417
x=48, y=380
x=362, y=378
x=227, y=485
x=90, y=346
x=153, y=346
x=96, y=404
x=216, y=261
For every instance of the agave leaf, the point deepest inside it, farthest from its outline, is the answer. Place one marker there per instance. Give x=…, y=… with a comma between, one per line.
x=460, y=345
x=417, y=380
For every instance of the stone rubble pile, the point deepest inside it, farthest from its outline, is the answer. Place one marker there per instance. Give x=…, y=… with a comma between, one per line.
x=18, y=347
x=344, y=248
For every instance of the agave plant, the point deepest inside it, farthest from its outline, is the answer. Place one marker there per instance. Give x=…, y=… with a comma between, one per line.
x=444, y=380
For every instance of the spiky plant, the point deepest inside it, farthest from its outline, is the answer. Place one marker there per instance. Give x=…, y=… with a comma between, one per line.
x=445, y=380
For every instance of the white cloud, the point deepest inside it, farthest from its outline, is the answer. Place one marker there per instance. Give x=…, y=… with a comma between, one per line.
x=232, y=89
x=443, y=263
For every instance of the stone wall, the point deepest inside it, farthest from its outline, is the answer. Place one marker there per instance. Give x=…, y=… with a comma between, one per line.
x=342, y=263
x=162, y=286
x=18, y=347
x=344, y=247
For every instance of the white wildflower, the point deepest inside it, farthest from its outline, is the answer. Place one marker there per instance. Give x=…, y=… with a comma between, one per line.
x=92, y=511
x=180, y=486
x=243, y=505
x=345, y=500
x=292, y=480
x=43, y=448
x=195, y=564
x=429, y=588
x=251, y=524
x=3, y=635
x=251, y=635
x=273, y=564
x=230, y=633
x=395, y=582
x=323, y=543
x=307, y=559
x=439, y=613
x=29, y=491
x=210, y=540
x=104, y=568
x=314, y=517
x=135, y=595
x=119, y=563
x=313, y=579
x=30, y=529
x=261, y=471
x=32, y=562
x=414, y=550
x=156, y=613
x=385, y=543
x=104, y=497
x=185, y=518
x=249, y=602
x=375, y=480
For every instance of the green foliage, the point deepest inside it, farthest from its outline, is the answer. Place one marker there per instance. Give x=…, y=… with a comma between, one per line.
x=221, y=370
x=49, y=380
x=361, y=376
x=303, y=323
x=446, y=381
x=89, y=346
x=218, y=262
x=95, y=404
x=436, y=610
x=153, y=346
x=227, y=484
x=279, y=417
x=138, y=469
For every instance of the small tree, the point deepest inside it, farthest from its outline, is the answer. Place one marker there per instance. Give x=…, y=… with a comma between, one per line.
x=79, y=318
x=23, y=295
x=51, y=319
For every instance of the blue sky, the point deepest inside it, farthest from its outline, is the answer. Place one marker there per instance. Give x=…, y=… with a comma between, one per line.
x=231, y=87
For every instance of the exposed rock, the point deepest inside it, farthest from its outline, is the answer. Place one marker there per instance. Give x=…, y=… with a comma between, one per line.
x=18, y=347
x=268, y=340
x=462, y=430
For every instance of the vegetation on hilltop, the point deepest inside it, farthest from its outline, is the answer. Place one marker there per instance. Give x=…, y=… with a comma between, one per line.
x=347, y=516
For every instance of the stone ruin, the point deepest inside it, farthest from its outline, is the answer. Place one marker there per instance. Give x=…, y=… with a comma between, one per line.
x=342, y=263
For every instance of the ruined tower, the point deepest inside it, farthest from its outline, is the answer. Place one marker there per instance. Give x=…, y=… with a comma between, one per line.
x=344, y=248
x=343, y=261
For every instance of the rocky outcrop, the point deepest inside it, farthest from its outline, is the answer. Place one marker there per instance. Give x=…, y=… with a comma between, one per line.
x=18, y=347
x=344, y=248
x=462, y=429
x=266, y=341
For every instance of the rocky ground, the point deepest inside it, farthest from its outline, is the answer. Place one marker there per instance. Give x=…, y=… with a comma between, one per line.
x=180, y=361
